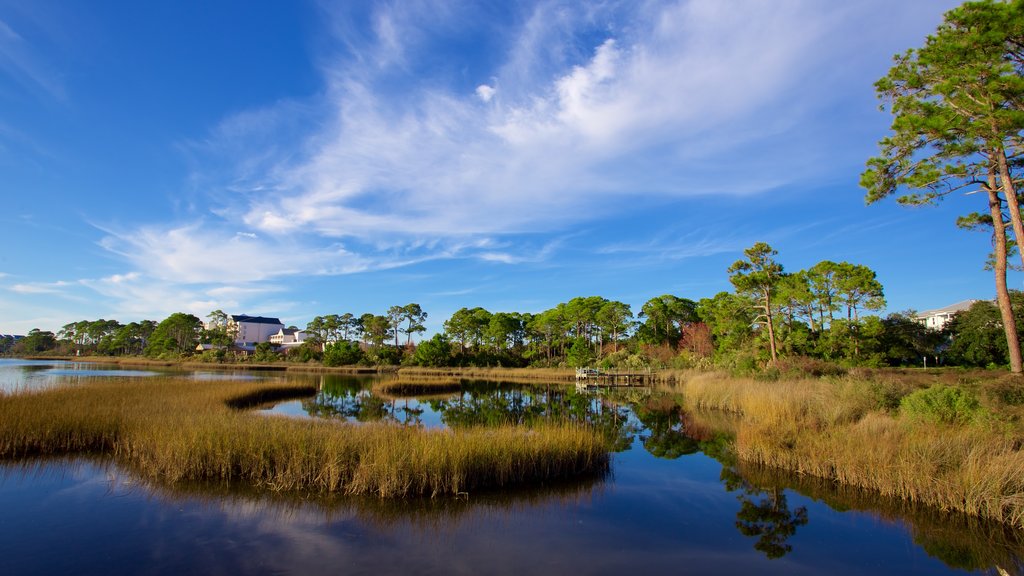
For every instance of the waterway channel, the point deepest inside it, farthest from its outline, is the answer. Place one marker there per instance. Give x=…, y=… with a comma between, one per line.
x=673, y=502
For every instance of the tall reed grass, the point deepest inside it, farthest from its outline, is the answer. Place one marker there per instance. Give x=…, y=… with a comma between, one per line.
x=843, y=430
x=179, y=430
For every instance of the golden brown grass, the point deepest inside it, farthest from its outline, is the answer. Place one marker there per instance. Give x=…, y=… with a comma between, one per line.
x=836, y=430
x=179, y=430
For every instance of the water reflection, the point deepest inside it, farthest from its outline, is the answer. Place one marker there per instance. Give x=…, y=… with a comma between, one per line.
x=676, y=498
x=19, y=375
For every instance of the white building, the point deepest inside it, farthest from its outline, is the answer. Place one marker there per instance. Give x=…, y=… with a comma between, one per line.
x=938, y=318
x=253, y=329
x=288, y=337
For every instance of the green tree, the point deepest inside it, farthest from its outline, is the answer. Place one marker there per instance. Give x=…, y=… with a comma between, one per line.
x=342, y=353
x=34, y=342
x=615, y=319
x=730, y=319
x=435, y=352
x=396, y=315
x=377, y=329
x=858, y=287
x=664, y=318
x=580, y=354
x=957, y=122
x=758, y=277
x=177, y=334
x=976, y=334
x=414, y=317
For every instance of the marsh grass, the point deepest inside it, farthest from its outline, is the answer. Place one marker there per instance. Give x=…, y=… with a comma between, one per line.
x=843, y=430
x=176, y=430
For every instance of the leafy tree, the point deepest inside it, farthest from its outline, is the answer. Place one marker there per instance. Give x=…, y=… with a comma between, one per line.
x=858, y=287
x=977, y=337
x=468, y=326
x=549, y=328
x=823, y=285
x=504, y=330
x=758, y=277
x=35, y=341
x=395, y=317
x=614, y=319
x=580, y=354
x=957, y=122
x=905, y=341
x=377, y=329
x=664, y=318
x=218, y=329
x=413, y=316
x=730, y=319
x=342, y=353
x=176, y=334
x=435, y=352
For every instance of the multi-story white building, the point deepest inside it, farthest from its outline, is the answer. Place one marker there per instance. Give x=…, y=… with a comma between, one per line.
x=252, y=329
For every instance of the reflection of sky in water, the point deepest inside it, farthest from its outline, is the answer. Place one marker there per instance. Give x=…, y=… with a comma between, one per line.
x=405, y=411
x=654, y=517
x=665, y=508
x=17, y=375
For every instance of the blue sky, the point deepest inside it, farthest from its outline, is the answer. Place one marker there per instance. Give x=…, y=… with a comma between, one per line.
x=296, y=159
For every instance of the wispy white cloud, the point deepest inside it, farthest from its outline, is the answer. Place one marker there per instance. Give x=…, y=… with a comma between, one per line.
x=21, y=62
x=56, y=288
x=658, y=110
x=579, y=110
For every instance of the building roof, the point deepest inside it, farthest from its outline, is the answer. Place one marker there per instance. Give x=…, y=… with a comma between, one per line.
x=289, y=331
x=254, y=319
x=951, y=309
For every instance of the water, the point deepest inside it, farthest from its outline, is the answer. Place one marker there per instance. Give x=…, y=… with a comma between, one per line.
x=17, y=375
x=674, y=502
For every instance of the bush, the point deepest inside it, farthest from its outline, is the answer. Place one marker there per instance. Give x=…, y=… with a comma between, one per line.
x=307, y=352
x=948, y=404
x=1009, y=390
x=342, y=353
x=802, y=366
x=889, y=394
x=435, y=352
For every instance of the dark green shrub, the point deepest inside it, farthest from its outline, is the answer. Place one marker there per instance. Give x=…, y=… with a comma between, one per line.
x=949, y=404
x=342, y=353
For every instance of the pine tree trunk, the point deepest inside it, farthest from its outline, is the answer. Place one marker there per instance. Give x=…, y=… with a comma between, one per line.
x=1002, y=294
x=1012, y=202
x=771, y=325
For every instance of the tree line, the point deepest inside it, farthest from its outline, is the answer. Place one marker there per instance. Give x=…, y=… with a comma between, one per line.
x=824, y=312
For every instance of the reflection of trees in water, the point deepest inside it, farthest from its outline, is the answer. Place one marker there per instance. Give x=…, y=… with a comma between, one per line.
x=667, y=431
x=960, y=541
x=765, y=514
x=665, y=435
x=478, y=404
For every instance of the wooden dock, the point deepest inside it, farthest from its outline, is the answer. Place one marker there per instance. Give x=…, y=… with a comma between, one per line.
x=597, y=377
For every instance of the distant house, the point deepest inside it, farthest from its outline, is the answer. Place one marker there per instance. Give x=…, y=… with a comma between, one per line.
x=252, y=329
x=288, y=337
x=938, y=318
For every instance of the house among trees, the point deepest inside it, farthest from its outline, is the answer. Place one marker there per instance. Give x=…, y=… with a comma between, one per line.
x=252, y=329
x=938, y=318
x=288, y=337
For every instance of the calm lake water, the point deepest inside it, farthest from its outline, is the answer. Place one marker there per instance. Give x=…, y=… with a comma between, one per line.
x=672, y=503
